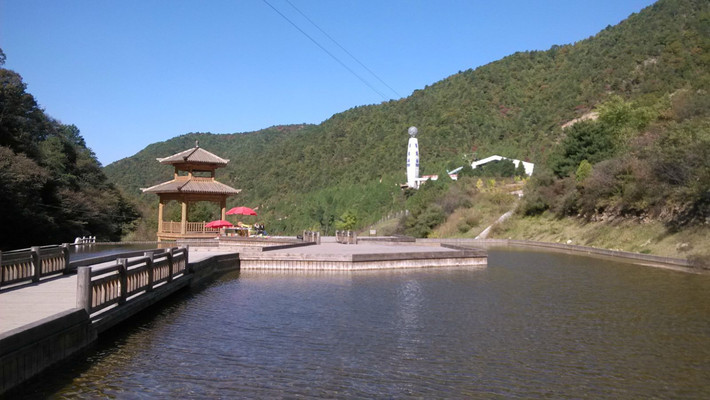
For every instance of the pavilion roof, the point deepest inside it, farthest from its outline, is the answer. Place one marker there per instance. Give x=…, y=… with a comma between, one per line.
x=195, y=185
x=195, y=155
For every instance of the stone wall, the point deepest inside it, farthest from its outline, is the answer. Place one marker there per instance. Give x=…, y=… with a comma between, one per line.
x=27, y=351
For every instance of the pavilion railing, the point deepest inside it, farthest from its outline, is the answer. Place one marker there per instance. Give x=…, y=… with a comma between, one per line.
x=32, y=264
x=102, y=287
x=192, y=227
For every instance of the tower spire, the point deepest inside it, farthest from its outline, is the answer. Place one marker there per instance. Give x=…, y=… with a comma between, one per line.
x=412, y=158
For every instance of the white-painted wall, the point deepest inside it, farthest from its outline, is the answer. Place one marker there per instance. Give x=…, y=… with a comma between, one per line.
x=528, y=166
x=413, y=162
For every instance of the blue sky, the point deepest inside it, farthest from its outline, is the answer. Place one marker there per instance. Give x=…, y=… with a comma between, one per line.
x=130, y=73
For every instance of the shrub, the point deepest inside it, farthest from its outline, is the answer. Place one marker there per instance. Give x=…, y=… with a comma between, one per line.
x=583, y=171
x=586, y=140
x=533, y=202
x=422, y=225
x=466, y=171
x=566, y=197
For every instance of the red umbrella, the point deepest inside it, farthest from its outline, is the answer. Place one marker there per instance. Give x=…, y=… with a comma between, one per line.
x=241, y=211
x=220, y=223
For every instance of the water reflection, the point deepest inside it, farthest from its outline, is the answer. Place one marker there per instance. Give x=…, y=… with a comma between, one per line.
x=530, y=325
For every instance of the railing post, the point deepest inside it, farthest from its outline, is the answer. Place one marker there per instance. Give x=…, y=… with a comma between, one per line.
x=149, y=263
x=83, y=289
x=318, y=237
x=170, y=264
x=65, y=253
x=123, y=278
x=36, y=262
x=187, y=258
x=2, y=271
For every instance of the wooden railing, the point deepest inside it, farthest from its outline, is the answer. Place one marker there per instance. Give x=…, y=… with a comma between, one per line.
x=192, y=227
x=32, y=264
x=346, y=237
x=99, y=288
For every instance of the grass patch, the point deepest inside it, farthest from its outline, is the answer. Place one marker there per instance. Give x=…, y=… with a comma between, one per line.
x=626, y=235
x=486, y=208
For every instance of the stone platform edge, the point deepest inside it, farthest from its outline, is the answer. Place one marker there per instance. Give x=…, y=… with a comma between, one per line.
x=366, y=261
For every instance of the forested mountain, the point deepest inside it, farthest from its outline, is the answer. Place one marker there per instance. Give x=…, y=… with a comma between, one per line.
x=52, y=188
x=647, y=78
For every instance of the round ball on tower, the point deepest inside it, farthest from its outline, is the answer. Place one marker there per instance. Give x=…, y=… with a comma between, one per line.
x=412, y=131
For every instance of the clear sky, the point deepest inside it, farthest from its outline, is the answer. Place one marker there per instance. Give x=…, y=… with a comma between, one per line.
x=130, y=73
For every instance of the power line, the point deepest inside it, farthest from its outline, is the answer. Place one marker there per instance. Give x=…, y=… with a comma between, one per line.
x=344, y=49
x=326, y=50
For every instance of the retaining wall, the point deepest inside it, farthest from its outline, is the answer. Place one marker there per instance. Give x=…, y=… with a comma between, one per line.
x=28, y=350
x=358, y=262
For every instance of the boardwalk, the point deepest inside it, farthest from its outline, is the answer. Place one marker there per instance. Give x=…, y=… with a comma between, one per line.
x=30, y=303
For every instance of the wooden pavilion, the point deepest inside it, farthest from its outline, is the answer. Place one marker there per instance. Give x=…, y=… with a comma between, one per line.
x=194, y=181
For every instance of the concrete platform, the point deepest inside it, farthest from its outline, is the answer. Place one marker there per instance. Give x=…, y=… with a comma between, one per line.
x=355, y=257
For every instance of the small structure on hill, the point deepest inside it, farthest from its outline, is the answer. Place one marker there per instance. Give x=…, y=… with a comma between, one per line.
x=194, y=181
x=528, y=166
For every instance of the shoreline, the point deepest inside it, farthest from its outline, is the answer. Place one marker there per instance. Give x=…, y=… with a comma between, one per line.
x=669, y=263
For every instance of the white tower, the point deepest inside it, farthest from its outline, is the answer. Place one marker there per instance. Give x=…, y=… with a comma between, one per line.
x=413, y=158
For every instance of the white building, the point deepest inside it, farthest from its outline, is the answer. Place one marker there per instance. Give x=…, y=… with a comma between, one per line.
x=528, y=166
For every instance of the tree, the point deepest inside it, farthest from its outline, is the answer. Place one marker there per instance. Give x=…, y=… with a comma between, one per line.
x=586, y=140
x=583, y=171
x=347, y=221
x=50, y=183
x=520, y=170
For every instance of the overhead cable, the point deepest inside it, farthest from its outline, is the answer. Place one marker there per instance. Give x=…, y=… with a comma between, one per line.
x=326, y=51
x=343, y=49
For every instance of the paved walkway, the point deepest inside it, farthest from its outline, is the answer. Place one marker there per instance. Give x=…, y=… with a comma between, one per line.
x=26, y=304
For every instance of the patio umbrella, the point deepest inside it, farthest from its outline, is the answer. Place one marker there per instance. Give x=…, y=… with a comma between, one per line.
x=241, y=211
x=220, y=223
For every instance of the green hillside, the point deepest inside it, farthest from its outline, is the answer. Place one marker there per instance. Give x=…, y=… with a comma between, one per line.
x=648, y=76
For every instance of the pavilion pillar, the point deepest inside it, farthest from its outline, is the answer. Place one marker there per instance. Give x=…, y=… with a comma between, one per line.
x=161, y=204
x=223, y=205
x=183, y=220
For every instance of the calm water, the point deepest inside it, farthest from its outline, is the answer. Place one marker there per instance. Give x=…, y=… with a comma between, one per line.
x=531, y=325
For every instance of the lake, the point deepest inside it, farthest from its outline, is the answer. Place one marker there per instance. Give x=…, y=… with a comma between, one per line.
x=530, y=325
